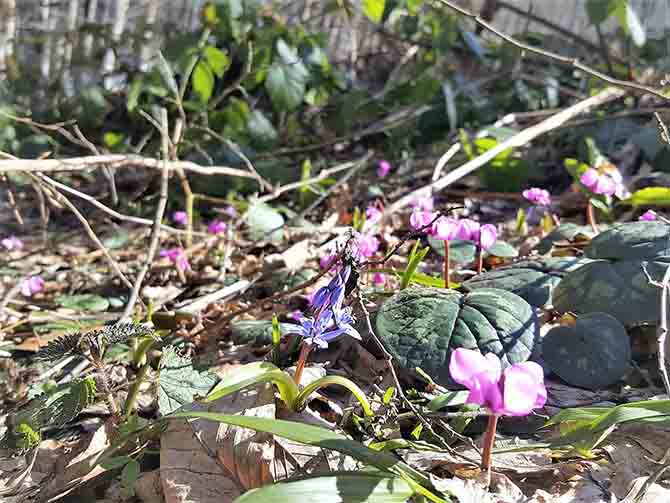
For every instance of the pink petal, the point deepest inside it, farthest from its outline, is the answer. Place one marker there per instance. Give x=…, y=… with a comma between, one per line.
x=523, y=388
x=445, y=229
x=180, y=217
x=468, y=230
x=466, y=363
x=487, y=236
x=589, y=178
x=379, y=279
x=373, y=215
x=383, y=168
x=648, y=216
x=605, y=185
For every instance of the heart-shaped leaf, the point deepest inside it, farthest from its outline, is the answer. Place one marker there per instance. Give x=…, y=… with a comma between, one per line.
x=631, y=241
x=463, y=252
x=592, y=354
x=287, y=78
x=422, y=326
x=620, y=288
x=532, y=280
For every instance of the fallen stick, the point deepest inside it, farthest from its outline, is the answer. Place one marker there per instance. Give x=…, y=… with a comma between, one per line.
x=518, y=140
x=114, y=161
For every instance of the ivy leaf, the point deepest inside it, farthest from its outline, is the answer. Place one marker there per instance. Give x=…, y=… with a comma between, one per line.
x=286, y=81
x=422, y=326
x=178, y=382
x=374, y=9
x=203, y=81
x=218, y=60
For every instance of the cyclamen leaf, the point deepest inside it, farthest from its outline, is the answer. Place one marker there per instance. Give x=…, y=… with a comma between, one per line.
x=631, y=241
x=422, y=326
x=179, y=383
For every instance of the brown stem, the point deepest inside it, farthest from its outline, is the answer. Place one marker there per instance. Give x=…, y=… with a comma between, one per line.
x=302, y=359
x=591, y=217
x=480, y=259
x=488, y=443
x=447, y=271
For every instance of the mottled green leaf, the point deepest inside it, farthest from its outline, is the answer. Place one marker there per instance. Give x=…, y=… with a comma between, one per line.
x=631, y=241
x=532, y=280
x=592, y=354
x=84, y=302
x=619, y=288
x=261, y=130
x=422, y=326
x=286, y=80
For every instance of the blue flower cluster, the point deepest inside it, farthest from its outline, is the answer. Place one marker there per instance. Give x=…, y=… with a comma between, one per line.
x=329, y=318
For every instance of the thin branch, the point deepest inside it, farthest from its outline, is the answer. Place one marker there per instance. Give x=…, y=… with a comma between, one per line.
x=518, y=140
x=114, y=161
x=61, y=198
x=575, y=62
x=160, y=212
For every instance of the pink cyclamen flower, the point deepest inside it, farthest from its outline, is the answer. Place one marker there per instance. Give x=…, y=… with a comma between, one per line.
x=31, y=286
x=446, y=229
x=421, y=218
x=367, y=245
x=230, y=211
x=537, y=196
x=648, y=216
x=373, y=214
x=598, y=183
x=12, y=243
x=486, y=236
x=515, y=392
x=379, y=279
x=180, y=217
x=423, y=203
x=216, y=227
x=178, y=257
x=383, y=168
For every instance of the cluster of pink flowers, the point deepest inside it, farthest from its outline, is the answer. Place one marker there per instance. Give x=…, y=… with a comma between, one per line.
x=449, y=229
x=32, y=285
x=604, y=183
x=537, y=196
x=12, y=243
x=373, y=215
x=214, y=227
x=178, y=257
x=515, y=392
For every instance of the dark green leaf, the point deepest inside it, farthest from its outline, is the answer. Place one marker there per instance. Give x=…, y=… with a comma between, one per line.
x=592, y=354
x=564, y=232
x=532, y=280
x=261, y=130
x=422, y=326
x=178, y=382
x=619, y=288
x=287, y=78
x=631, y=241
x=340, y=487
x=129, y=476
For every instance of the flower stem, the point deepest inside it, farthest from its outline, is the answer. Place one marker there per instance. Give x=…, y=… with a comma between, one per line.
x=591, y=217
x=488, y=444
x=302, y=359
x=447, y=271
x=480, y=259
x=134, y=391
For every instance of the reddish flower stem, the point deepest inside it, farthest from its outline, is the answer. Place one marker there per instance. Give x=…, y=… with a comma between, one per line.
x=447, y=270
x=480, y=259
x=591, y=217
x=302, y=359
x=488, y=442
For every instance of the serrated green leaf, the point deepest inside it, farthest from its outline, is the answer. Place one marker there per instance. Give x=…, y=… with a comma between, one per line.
x=359, y=487
x=649, y=196
x=203, y=81
x=218, y=60
x=179, y=383
x=422, y=326
x=84, y=302
x=374, y=9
